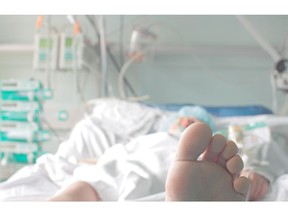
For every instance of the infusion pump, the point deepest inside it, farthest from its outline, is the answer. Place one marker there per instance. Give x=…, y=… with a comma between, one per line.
x=281, y=75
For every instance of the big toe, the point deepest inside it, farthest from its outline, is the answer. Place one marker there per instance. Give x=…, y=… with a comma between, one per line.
x=194, y=141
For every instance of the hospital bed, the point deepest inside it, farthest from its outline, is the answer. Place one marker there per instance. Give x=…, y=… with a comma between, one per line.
x=116, y=121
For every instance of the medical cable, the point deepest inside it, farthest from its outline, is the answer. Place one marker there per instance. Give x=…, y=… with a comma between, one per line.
x=48, y=68
x=121, y=40
x=141, y=41
x=91, y=69
x=103, y=54
x=274, y=93
x=118, y=68
x=76, y=31
x=80, y=60
x=121, y=77
x=39, y=25
x=51, y=129
x=111, y=55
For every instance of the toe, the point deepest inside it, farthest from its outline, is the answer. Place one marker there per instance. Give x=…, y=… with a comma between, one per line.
x=215, y=147
x=235, y=165
x=194, y=141
x=229, y=151
x=241, y=185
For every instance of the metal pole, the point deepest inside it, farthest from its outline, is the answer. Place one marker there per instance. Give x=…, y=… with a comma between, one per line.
x=103, y=51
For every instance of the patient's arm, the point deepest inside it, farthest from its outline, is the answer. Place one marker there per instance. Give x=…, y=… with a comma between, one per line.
x=78, y=191
x=259, y=185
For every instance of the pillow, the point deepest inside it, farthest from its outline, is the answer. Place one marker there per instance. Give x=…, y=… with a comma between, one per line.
x=173, y=125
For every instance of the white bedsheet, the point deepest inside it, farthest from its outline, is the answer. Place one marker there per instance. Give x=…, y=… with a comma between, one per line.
x=124, y=172
x=132, y=171
x=112, y=122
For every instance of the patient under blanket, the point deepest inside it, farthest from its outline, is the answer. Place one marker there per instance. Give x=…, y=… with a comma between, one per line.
x=124, y=172
x=134, y=167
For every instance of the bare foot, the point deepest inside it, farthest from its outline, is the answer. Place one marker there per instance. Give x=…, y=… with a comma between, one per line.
x=213, y=178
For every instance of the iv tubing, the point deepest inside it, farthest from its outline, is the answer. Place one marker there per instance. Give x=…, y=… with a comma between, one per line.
x=121, y=78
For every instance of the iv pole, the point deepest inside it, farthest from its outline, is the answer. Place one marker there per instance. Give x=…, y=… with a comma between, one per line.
x=103, y=51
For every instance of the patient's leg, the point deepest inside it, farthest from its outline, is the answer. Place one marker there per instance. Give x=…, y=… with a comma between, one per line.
x=78, y=191
x=214, y=177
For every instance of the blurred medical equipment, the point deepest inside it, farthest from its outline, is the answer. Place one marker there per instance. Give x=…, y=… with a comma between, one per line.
x=105, y=52
x=279, y=80
x=140, y=42
x=76, y=50
x=67, y=49
x=46, y=51
x=21, y=132
x=247, y=136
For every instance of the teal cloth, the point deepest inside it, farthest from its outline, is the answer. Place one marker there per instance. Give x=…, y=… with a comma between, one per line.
x=192, y=111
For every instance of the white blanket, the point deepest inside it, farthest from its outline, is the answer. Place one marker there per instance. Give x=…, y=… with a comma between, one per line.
x=112, y=122
x=131, y=167
x=124, y=172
